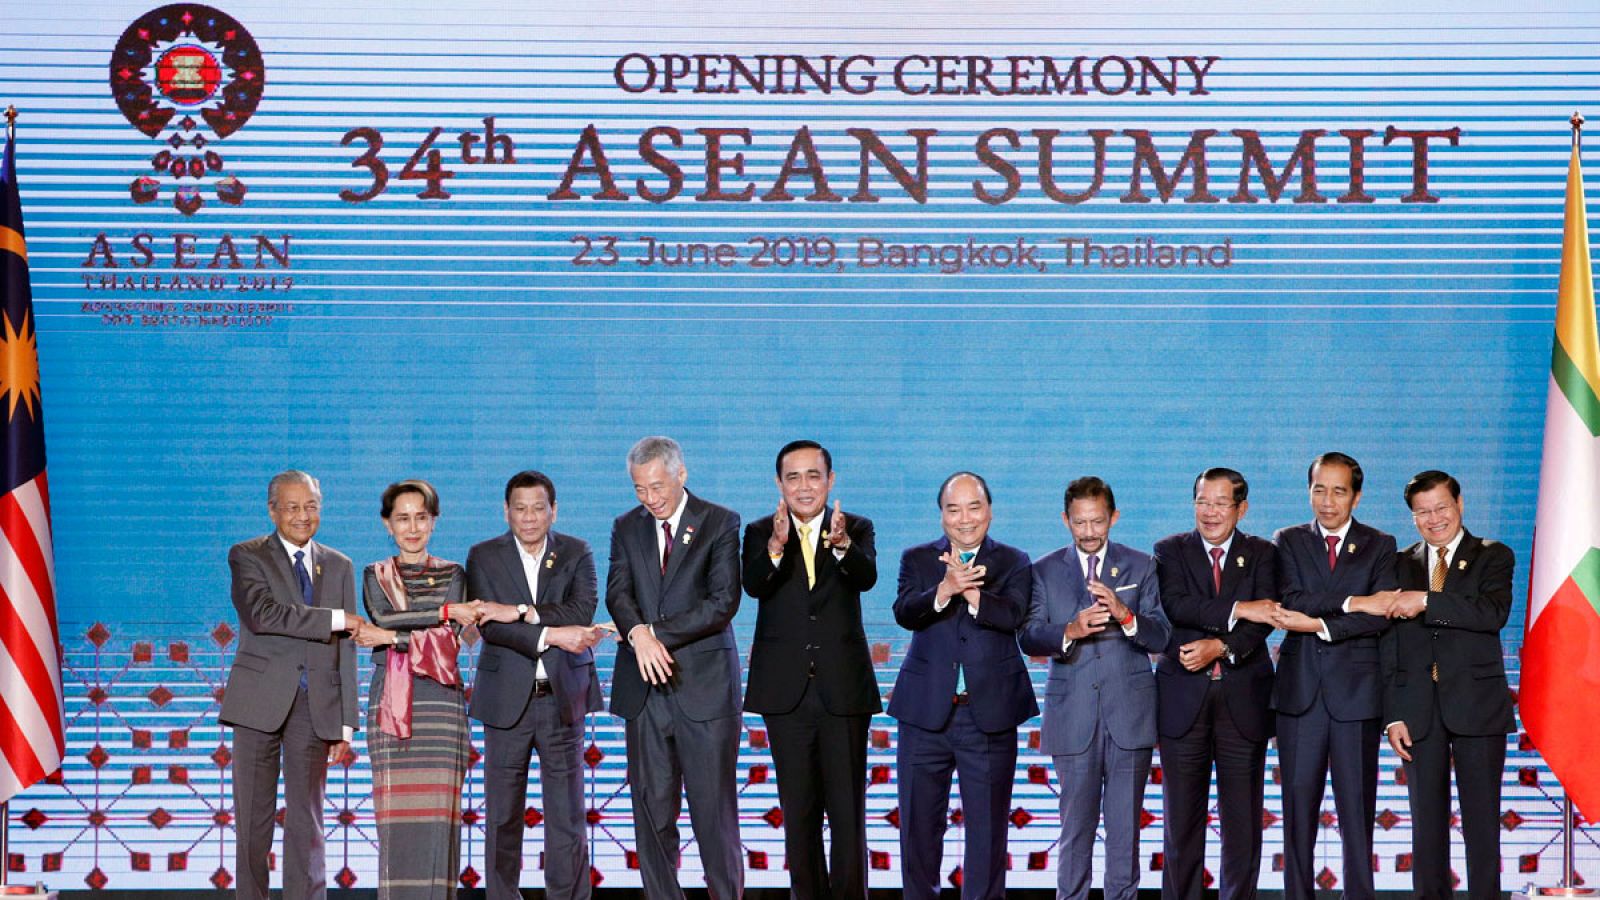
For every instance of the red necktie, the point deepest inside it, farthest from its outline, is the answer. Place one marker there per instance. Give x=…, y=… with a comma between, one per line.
x=666, y=548
x=1333, y=551
x=1216, y=581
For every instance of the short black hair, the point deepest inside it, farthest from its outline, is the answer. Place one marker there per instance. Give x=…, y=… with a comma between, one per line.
x=1241, y=488
x=1343, y=459
x=392, y=493
x=987, y=497
x=1089, y=487
x=827, y=458
x=1423, y=482
x=529, y=478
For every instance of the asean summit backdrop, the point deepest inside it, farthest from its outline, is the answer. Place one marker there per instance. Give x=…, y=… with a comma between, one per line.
x=391, y=240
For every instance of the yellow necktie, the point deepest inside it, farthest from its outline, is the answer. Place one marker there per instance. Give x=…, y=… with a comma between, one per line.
x=808, y=552
x=1436, y=580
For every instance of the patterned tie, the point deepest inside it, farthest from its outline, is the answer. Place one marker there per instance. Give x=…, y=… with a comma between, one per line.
x=808, y=552
x=1440, y=568
x=666, y=548
x=1333, y=551
x=1094, y=569
x=303, y=577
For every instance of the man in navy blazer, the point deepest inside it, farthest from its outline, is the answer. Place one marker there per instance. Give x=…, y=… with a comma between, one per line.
x=1336, y=580
x=1096, y=613
x=962, y=691
x=536, y=682
x=1219, y=586
x=673, y=588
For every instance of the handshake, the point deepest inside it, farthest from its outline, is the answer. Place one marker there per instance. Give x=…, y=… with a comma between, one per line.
x=572, y=638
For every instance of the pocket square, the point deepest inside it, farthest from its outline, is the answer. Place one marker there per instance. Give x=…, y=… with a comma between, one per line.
x=1126, y=587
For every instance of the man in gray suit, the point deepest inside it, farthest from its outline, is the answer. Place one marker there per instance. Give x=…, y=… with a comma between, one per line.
x=1096, y=612
x=673, y=588
x=536, y=682
x=291, y=694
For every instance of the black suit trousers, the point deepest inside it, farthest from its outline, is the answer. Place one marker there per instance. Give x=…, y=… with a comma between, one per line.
x=505, y=787
x=1186, y=763
x=821, y=762
x=1480, y=761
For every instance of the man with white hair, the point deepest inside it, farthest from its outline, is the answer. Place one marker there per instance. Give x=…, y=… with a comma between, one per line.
x=672, y=589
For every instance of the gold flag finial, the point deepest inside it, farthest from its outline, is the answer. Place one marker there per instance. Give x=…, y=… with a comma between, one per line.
x=1577, y=128
x=11, y=122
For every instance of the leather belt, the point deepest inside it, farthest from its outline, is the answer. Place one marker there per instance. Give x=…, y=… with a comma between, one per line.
x=542, y=688
x=961, y=699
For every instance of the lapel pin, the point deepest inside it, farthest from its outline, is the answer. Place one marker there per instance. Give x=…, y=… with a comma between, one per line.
x=688, y=534
x=1239, y=562
x=1352, y=547
x=1461, y=564
x=550, y=561
x=319, y=570
x=1113, y=571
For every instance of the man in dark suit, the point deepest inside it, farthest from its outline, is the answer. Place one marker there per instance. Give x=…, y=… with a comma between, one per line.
x=291, y=694
x=962, y=691
x=1445, y=695
x=536, y=681
x=672, y=589
x=810, y=673
x=1336, y=579
x=1096, y=613
x=1219, y=587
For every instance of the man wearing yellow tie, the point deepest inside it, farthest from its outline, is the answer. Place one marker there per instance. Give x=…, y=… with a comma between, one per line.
x=810, y=674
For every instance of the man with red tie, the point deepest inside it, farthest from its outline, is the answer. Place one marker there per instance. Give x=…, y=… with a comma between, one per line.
x=1219, y=587
x=1336, y=579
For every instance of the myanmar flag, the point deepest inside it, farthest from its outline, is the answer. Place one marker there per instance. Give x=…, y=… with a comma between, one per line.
x=1561, y=650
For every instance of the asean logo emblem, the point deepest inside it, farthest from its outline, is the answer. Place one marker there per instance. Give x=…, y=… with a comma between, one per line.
x=188, y=76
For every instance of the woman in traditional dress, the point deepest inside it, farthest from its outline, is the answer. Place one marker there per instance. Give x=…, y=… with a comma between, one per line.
x=416, y=720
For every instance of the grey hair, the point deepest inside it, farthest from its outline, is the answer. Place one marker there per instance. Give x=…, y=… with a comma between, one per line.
x=656, y=447
x=292, y=476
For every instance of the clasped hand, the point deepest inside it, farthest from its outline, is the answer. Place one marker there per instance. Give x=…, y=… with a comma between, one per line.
x=963, y=579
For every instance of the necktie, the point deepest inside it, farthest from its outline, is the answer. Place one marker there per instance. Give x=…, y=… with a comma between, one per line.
x=808, y=552
x=961, y=675
x=1440, y=568
x=303, y=577
x=1094, y=570
x=666, y=548
x=1333, y=551
x=1216, y=582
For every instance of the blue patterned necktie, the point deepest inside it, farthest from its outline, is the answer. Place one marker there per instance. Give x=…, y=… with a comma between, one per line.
x=961, y=674
x=303, y=576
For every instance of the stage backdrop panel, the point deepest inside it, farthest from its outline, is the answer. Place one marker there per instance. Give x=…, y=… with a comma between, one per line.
x=389, y=240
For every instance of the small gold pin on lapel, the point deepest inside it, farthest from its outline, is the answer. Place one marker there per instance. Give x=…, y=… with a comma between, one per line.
x=319, y=570
x=550, y=562
x=1461, y=564
x=1114, y=571
x=1239, y=561
x=1352, y=547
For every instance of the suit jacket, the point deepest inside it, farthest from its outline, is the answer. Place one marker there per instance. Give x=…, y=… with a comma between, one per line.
x=690, y=608
x=508, y=665
x=1460, y=632
x=1106, y=676
x=281, y=639
x=800, y=627
x=1345, y=670
x=1198, y=610
x=983, y=646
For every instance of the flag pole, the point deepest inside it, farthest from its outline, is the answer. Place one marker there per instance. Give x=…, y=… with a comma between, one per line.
x=5, y=807
x=1568, y=863
x=11, y=133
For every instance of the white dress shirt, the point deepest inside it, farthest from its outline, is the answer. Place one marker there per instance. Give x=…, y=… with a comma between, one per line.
x=336, y=622
x=530, y=571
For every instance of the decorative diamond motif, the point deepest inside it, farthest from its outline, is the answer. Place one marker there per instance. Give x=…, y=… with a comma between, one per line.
x=758, y=774
x=532, y=817
x=758, y=859
x=1020, y=818
x=33, y=818
x=97, y=756
x=1387, y=819
x=178, y=651
x=222, y=756
x=469, y=877
x=1510, y=820
x=96, y=880
x=1328, y=819
x=160, y=818
x=773, y=817
x=160, y=696
x=592, y=755
x=98, y=634
x=345, y=878
x=221, y=879
x=594, y=817
x=222, y=634
x=1326, y=879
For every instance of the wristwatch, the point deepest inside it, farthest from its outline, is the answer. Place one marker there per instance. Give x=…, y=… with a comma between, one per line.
x=522, y=610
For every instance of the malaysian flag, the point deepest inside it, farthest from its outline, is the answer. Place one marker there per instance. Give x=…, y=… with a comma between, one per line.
x=31, y=739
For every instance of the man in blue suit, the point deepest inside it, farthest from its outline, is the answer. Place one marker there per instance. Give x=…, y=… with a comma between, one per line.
x=1096, y=613
x=1336, y=580
x=962, y=691
x=1219, y=587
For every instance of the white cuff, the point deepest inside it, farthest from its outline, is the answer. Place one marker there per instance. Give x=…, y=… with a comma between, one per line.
x=1233, y=616
x=1324, y=633
x=544, y=641
x=940, y=605
x=338, y=621
x=1132, y=628
x=1345, y=606
x=349, y=733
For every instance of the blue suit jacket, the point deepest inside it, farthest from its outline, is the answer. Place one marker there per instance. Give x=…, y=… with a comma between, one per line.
x=1345, y=670
x=1105, y=677
x=1197, y=610
x=984, y=646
